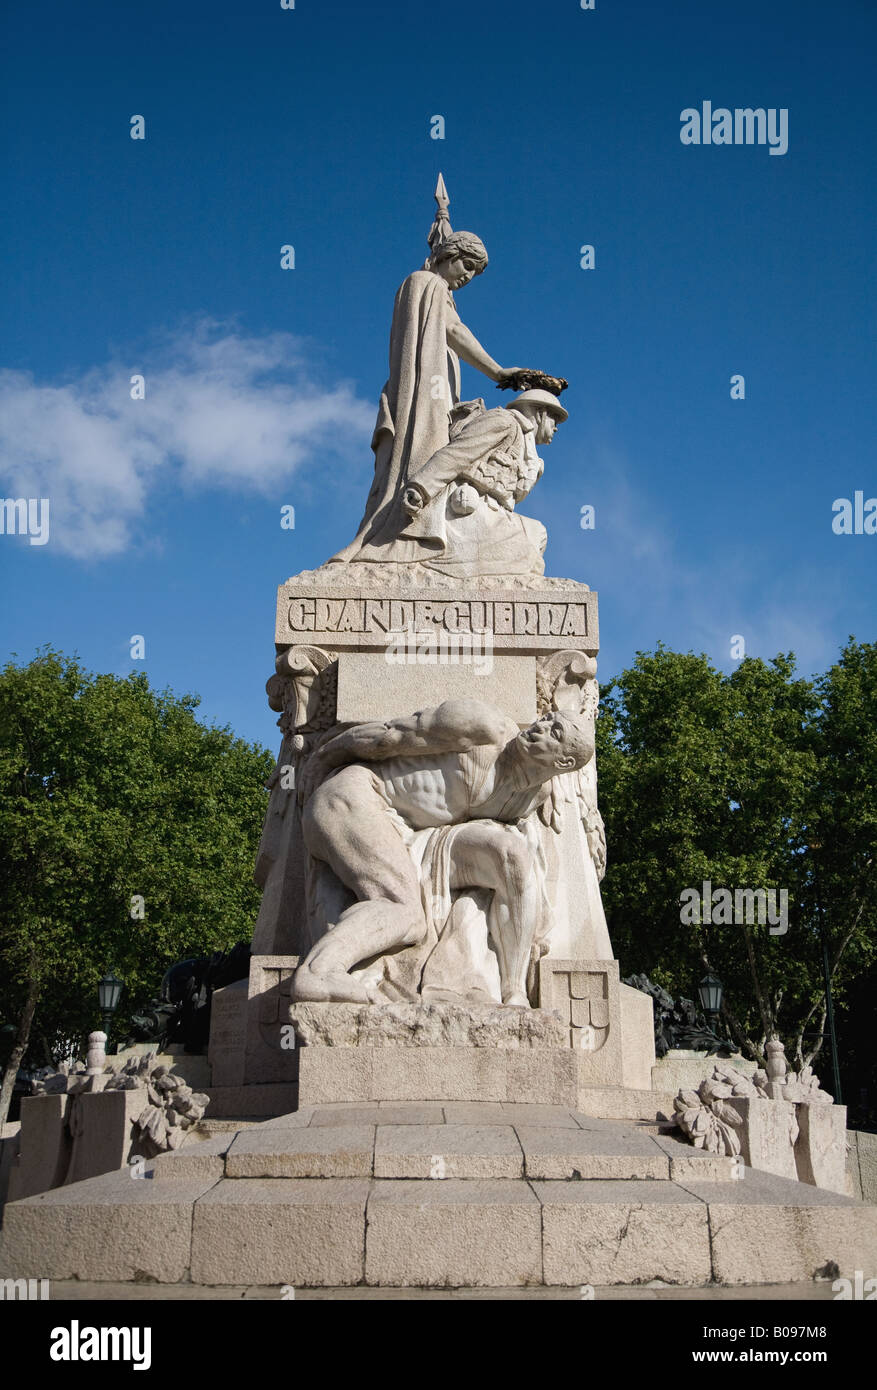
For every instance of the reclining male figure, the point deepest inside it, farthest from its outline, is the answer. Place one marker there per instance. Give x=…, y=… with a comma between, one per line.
x=462, y=764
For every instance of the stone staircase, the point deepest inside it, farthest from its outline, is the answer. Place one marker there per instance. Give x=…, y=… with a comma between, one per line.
x=439, y=1194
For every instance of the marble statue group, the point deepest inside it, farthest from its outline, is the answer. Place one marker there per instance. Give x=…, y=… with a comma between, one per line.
x=419, y=856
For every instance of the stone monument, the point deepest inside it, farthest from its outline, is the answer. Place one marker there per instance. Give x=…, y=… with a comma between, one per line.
x=433, y=1018
x=431, y=921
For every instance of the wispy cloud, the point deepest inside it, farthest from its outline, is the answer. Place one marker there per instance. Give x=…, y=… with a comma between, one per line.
x=221, y=409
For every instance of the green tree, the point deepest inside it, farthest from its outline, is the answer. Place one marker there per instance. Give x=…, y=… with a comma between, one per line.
x=842, y=839
x=706, y=777
x=110, y=792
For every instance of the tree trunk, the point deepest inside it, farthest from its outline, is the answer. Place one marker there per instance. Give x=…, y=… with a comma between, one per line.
x=20, y=1048
x=767, y=1015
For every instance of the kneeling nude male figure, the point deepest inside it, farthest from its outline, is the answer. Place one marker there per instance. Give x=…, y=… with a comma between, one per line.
x=463, y=764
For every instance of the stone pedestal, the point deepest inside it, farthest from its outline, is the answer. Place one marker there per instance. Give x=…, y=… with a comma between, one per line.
x=270, y=1041
x=451, y=1195
x=356, y=648
x=821, y=1147
x=101, y=1125
x=767, y=1134
x=590, y=1032
x=862, y=1165
x=10, y=1138
x=344, y=1074
x=638, y=1033
x=252, y=1048
x=373, y=643
x=67, y=1138
x=44, y=1146
x=226, y=1049
x=432, y=1052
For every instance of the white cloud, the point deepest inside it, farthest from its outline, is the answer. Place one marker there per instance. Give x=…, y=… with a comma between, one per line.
x=221, y=409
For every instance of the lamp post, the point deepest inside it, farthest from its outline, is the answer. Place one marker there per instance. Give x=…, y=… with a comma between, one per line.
x=109, y=992
x=709, y=992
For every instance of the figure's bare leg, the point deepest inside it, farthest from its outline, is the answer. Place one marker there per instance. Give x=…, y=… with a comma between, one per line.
x=346, y=825
x=489, y=855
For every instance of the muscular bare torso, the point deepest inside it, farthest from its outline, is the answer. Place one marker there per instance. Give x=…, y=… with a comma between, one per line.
x=448, y=788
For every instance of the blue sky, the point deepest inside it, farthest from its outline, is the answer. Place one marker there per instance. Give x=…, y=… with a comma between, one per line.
x=311, y=127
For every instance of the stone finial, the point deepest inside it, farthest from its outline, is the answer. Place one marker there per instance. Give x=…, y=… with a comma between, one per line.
x=777, y=1067
x=96, y=1056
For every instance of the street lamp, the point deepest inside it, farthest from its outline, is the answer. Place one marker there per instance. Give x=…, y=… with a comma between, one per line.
x=710, y=992
x=109, y=991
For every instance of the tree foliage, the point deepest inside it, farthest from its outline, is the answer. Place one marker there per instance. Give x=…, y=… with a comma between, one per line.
x=757, y=779
x=753, y=779
x=108, y=790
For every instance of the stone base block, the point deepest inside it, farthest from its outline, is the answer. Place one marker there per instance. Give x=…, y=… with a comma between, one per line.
x=623, y=1233
x=10, y=1138
x=638, y=1038
x=383, y=1113
x=447, y=1151
x=768, y=1230
x=102, y=1123
x=302, y=1232
x=112, y=1228
x=453, y=1234
x=766, y=1135
x=44, y=1147
x=226, y=1050
x=862, y=1165
x=463, y=1139
x=426, y=1024
x=455, y=1226
x=201, y=1159
x=327, y=1151
x=610, y=1152
x=610, y=1026
x=821, y=1147
x=688, y=1164
x=331, y=1074
x=585, y=994
x=619, y=1103
x=271, y=1054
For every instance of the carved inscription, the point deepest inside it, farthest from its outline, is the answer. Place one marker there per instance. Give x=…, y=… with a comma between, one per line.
x=360, y=621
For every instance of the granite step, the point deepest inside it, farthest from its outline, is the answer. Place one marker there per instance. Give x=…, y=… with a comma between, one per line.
x=467, y=1141
x=455, y=1233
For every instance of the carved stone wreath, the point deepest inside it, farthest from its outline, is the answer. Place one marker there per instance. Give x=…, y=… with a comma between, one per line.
x=706, y=1118
x=172, y=1109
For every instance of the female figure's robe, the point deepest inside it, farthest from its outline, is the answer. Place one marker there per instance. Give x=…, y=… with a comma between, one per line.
x=423, y=386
